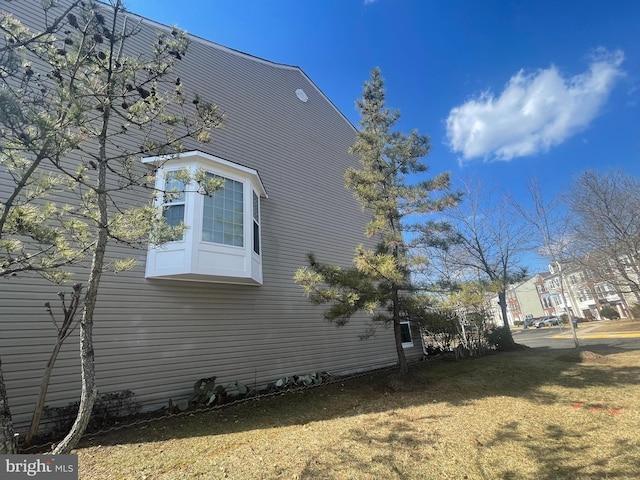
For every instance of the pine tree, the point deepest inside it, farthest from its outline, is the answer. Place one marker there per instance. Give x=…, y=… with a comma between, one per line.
x=388, y=185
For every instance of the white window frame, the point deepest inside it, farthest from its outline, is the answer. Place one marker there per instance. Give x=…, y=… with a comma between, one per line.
x=191, y=258
x=256, y=238
x=171, y=202
x=408, y=325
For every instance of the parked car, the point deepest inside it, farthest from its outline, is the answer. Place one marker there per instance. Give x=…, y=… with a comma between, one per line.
x=546, y=322
x=537, y=321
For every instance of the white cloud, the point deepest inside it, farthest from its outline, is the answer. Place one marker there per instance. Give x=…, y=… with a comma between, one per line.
x=534, y=112
x=369, y=2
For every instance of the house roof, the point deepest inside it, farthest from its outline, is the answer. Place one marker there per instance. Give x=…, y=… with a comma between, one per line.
x=247, y=56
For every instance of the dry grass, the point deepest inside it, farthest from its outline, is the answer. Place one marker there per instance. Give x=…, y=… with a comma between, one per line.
x=617, y=326
x=521, y=415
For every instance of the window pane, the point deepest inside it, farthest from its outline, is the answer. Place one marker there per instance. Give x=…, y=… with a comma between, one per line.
x=173, y=215
x=256, y=238
x=405, y=333
x=223, y=216
x=256, y=208
x=175, y=188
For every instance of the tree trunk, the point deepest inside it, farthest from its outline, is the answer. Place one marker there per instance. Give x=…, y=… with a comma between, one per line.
x=502, y=301
x=88, y=394
x=89, y=390
x=42, y=395
x=397, y=333
x=63, y=332
x=8, y=444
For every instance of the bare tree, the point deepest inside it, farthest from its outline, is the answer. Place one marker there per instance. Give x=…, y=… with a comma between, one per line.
x=605, y=226
x=489, y=244
x=549, y=223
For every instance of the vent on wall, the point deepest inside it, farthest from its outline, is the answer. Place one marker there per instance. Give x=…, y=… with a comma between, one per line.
x=301, y=95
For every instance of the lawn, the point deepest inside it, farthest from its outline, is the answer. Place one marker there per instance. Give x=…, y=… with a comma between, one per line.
x=617, y=326
x=532, y=414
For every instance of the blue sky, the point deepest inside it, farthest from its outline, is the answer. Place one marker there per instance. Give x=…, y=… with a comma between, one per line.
x=506, y=89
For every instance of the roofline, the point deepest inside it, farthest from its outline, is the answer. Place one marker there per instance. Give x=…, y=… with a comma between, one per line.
x=249, y=57
x=161, y=159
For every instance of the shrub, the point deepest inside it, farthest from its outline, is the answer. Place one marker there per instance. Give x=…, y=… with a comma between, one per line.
x=498, y=338
x=472, y=335
x=609, y=313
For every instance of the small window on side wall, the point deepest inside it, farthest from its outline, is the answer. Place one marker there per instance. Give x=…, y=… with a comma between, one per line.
x=405, y=334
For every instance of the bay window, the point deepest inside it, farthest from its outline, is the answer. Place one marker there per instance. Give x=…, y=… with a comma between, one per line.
x=222, y=235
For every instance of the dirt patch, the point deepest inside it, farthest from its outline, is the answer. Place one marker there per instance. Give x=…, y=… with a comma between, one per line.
x=583, y=356
x=400, y=383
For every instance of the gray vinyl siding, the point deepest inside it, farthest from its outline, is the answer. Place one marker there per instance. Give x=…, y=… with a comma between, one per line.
x=157, y=337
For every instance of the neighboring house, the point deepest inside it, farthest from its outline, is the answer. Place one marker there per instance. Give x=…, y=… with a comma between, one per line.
x=623, y=276
x=523, y=300
x=585, y=296
x=220, y=303
x=559, y=296
x=514, y=311
x=543, y=294
x=607, y=294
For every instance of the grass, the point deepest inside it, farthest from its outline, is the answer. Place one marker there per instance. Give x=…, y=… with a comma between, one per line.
x=532, y=414
x=617, y=326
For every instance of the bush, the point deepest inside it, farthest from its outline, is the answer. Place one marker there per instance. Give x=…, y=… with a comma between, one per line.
x=635, y=311
x=609, y=313
x=499, y=338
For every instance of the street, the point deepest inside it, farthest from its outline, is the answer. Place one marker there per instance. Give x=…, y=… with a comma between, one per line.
x=588, y=336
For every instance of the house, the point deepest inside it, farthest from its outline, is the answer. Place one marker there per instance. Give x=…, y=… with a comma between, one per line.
x=523, y=300
x=585, y=295
x=217, y=302
x=543, y=294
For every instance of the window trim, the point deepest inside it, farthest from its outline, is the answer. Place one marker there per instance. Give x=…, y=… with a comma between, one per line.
x=407, y=344
x=166, y=204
